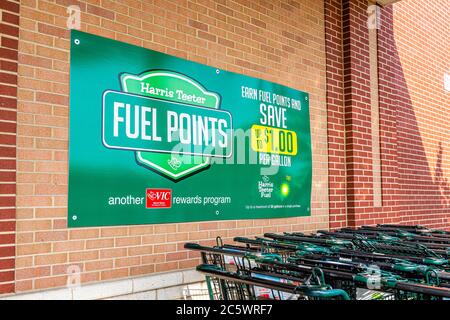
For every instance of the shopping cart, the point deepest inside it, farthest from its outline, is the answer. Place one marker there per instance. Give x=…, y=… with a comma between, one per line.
x=233, y=274
x=376, y=263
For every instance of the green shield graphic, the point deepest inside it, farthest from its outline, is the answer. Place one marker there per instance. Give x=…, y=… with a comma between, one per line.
x=154, y=84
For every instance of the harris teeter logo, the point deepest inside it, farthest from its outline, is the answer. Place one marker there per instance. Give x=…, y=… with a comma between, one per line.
x=171, y=122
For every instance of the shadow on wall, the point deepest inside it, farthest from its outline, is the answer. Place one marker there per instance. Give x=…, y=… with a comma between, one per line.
x=440, y=180
x=423, y=191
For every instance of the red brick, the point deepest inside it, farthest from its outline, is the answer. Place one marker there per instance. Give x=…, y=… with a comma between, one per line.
x=9, y=30
x=10, y=18
x=7, y=263
x=100, y=12
x=9, y=6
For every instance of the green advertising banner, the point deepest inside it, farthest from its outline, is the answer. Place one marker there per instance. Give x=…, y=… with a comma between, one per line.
x=159, y=139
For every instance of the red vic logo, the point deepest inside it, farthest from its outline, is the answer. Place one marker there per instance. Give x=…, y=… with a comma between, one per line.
x=158, y=198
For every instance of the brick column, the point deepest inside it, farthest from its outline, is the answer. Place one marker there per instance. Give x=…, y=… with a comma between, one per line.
x=9, y=34
x=350, y=109
x=349, y=112
x=357, y=110
x=335, y=114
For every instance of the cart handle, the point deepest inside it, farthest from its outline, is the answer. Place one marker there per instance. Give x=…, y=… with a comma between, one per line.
x=432, y=273
x=198, y=247
x=318, y=274
x=321, y=292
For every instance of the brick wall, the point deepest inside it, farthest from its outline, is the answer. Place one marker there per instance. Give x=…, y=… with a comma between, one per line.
x=9, y=32
x=281, y=41
x=413, y=123
x=314, y=46
x=421, y=43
